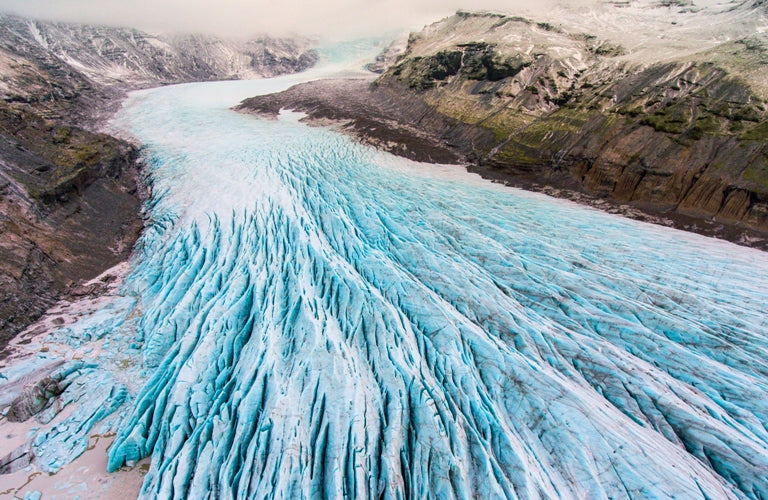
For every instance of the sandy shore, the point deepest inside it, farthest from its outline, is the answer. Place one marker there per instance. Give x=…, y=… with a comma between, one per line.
x=86, y=477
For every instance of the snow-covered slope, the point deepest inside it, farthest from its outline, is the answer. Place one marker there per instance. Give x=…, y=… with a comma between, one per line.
x=131, y=58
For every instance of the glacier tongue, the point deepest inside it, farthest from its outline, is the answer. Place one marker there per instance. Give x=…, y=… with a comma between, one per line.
x=308, y=317
x=328, y=320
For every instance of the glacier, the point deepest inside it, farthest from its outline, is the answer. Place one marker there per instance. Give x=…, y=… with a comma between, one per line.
x=308, y=317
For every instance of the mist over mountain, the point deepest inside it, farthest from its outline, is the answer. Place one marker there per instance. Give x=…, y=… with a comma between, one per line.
x=337, y=19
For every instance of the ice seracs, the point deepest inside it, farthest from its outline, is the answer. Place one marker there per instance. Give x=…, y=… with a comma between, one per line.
x=339, y=322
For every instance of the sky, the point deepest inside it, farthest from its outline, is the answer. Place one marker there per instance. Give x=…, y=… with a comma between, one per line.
x=325, y=18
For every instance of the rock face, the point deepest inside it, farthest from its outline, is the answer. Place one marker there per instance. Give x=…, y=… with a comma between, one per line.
x=70, y=198
x=70, y=208
x=684, y=137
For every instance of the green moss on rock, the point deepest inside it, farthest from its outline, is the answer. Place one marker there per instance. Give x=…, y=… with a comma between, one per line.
x=665, y=120
x=758, y=133
x=62, y=134
x=757, y=174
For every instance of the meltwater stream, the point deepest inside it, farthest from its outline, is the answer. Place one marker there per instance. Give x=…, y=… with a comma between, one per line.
x=307, y=317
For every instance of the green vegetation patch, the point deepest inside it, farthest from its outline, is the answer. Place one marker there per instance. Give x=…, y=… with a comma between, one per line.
x=505, y=124
x=705, y=124
x=62, y=134
x=758, y=133
x=82, y=154
x=519, y=154
x=571, y=120
x=671, y=120
x=757, y=173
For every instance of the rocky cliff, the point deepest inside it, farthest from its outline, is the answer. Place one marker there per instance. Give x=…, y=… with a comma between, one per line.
x=70, y=197
x=668, y=117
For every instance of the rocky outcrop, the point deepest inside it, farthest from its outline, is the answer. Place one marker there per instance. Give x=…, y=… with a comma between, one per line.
x=70, y=197
x=682, y=138
x=534, y=105
x=70, y=208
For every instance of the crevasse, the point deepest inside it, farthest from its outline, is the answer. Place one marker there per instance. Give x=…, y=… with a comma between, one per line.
x=308, y=317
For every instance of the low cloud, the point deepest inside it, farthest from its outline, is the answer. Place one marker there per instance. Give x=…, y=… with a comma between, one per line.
x=329, y=19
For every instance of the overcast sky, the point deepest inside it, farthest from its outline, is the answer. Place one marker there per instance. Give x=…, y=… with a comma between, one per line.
x=329, y=18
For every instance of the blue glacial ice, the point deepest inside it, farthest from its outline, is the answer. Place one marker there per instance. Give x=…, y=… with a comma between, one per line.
x=308, y=317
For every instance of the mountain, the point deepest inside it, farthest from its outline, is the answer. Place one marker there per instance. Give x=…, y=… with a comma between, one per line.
x=109, y=55
x=70, y=197
x=76, y=65
x=658, y=109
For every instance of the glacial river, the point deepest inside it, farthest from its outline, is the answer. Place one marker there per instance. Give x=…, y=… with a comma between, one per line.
x=308, y=317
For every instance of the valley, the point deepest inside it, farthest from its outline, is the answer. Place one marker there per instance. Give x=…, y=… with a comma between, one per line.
x=283, y=268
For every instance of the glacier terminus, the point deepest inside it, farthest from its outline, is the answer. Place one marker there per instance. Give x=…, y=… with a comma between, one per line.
x=308, y=317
